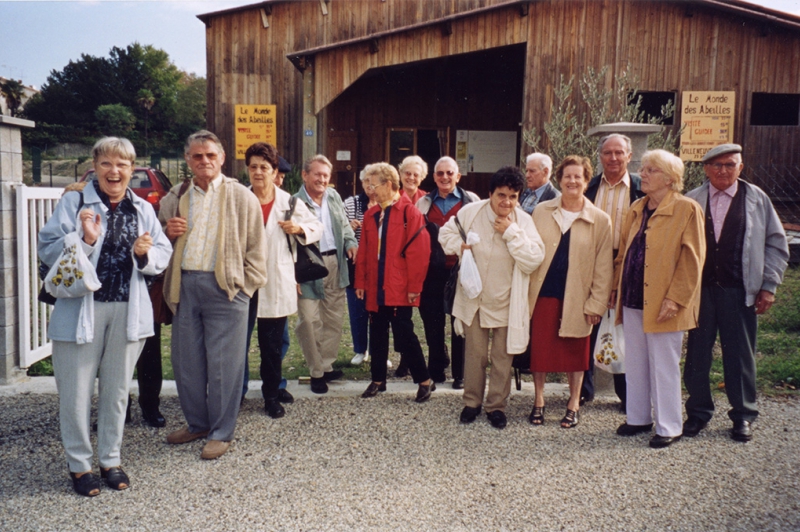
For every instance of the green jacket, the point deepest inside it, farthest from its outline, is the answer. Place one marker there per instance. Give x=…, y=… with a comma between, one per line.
x=343, y=236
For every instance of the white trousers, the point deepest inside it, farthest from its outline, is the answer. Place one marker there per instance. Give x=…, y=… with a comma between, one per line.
x=111, y=357
x=653, y=376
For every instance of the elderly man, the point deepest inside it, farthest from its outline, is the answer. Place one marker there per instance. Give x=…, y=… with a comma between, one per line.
x=613, y=191
x=746, y=255
x=439, y=206
x=510, y=249
x=538, y=168
x=320, y=308
x=218, y=263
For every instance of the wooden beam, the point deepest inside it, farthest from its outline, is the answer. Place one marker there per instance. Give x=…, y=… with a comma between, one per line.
x=309, y=132
x=323, y=5
x=265, y=13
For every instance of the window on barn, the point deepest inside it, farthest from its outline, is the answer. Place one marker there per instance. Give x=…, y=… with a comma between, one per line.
x=773, y=109
x=653, y=102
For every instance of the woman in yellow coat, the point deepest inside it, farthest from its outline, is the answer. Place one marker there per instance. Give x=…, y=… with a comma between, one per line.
x=657, y=276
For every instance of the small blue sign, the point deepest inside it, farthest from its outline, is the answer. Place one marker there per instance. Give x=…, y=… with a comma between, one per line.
x=309, y=133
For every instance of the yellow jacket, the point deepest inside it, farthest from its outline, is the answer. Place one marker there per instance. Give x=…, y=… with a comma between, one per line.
x=591, y=267
x=674, y=256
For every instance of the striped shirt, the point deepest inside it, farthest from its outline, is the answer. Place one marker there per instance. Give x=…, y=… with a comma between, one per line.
x=200, y=252
x=615, y=200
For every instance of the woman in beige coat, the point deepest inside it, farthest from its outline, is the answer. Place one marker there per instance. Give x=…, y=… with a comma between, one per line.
x=571, y=287
x=662, y=251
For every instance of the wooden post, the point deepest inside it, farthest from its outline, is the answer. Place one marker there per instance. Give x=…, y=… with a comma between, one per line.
x=310, y=140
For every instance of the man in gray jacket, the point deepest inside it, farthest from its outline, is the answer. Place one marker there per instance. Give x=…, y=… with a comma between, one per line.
x=746, y=255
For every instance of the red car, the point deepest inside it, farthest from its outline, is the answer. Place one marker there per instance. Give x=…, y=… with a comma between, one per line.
x=148, y=183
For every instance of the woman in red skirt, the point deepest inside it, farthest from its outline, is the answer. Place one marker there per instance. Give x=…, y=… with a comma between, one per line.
x=571, y=287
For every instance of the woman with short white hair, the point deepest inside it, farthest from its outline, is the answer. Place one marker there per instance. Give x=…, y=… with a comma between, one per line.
x=121, y=236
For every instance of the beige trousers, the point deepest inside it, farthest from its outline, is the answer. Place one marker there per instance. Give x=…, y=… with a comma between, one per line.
x=320, y=321
x=476, y=360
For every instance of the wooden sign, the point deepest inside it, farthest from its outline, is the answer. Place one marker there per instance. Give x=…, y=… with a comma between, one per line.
x=707, y=117
x=254, y=123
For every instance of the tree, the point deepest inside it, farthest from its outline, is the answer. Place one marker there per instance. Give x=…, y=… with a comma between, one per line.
x=190, y=107
x=13, y=91
x=115, y=119
x=146, y=100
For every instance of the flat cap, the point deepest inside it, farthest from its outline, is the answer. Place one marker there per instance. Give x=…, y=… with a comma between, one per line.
x=284, y=167
x=722, y=149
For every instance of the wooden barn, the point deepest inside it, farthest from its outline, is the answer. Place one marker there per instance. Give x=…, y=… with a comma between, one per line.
x=369, y=80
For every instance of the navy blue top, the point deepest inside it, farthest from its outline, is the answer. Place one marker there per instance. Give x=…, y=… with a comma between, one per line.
x=633, y=273
x=555, y=282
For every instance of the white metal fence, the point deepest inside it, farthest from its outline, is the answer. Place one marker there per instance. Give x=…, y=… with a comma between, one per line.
x=34, y=207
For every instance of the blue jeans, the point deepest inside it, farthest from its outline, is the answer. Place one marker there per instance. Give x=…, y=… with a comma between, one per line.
x=251, y=324
x=359, y=321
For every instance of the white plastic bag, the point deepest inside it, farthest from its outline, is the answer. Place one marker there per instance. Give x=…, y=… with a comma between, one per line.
x=469, y=276
x=73, y=274
x=609, y=350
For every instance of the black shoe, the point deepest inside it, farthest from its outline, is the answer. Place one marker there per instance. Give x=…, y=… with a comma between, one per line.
x=585, y=399
x=86, y=485
x=333, y=375
x=424, y=392
x=742, y=431
x=318, y=385
x=153, y=418
x=458, y=384
x=373, y=389
x=469, y=414
x=285, y=397
x=692, y=426
x=659, y=442
x=497, y=418
x=402, y=370
x=273, y=408
x=115, y=478
x=633, y=430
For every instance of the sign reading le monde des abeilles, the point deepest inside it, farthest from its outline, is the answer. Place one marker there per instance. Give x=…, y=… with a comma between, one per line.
x=708, y=121
x=254, y=123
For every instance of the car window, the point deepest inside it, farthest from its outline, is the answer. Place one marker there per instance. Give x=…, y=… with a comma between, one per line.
x=140, y=179
x=163, y=179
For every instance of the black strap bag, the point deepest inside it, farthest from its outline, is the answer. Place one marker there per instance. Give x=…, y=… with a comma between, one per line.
x=309, y=265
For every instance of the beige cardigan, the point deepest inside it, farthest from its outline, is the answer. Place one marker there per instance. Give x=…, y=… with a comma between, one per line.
x=241, y=249
x=591, y=266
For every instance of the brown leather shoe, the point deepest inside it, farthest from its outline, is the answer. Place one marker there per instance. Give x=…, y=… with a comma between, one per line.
x=184, y=436
x=214, y=449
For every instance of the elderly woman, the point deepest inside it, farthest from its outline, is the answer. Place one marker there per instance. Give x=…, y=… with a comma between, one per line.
x=278, y=299
x=413, y=170
x=122, y=238
x=571, y=287
x=662, y=250
x=354, y=208
x=390, y=270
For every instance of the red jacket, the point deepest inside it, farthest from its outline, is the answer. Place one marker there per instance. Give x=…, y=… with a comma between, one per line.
x=401, y=276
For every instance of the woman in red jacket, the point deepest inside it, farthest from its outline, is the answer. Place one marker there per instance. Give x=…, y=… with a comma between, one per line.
x=390, y=269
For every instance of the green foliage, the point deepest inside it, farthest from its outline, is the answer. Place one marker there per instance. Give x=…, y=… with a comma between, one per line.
x=138, y=77
x=115, y=119
x=566, y=130
x=13, y=91
x=293, y=180
x=43, y=368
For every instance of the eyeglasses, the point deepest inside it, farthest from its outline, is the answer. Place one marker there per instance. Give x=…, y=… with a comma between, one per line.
x=719, y=166
x=106, y=165
x=372, y=187
x=211, y=156
x=441, y=173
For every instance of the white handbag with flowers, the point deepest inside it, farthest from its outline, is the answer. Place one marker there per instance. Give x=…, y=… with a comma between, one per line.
x=73, y=274
x=609, y=349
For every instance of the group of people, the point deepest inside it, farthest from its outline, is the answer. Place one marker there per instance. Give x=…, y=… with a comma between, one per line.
x=548, y=264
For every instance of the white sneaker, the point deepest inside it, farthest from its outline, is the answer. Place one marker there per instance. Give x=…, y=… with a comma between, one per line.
x=389, y=364
x=358, y=359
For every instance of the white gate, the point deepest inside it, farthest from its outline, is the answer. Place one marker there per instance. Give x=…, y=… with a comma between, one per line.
x=34, y=207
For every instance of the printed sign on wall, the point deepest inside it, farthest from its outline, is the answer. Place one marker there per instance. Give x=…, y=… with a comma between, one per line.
x=708, y=120
x=254, y=123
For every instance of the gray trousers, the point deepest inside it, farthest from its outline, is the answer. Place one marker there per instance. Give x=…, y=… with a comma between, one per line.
x=723, y=310
x=477, y=354
x=320, y=321
x=111, y=357
x=208, y=348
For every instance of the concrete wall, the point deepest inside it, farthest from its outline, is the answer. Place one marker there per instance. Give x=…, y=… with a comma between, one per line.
x=10, y=177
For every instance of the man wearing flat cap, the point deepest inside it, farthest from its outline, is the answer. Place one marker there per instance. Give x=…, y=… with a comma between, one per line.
x=746, y=255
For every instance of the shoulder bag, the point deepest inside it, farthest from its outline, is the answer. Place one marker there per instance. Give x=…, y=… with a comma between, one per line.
x=309, y=265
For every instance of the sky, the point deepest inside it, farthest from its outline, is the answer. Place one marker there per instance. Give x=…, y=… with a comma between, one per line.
x=37, y=37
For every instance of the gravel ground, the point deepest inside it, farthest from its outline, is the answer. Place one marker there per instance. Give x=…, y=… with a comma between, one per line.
x=345, y=463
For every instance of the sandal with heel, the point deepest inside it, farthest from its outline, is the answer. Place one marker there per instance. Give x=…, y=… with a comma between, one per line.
x=86, y=484
x=537, y=416
x=570, y=419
